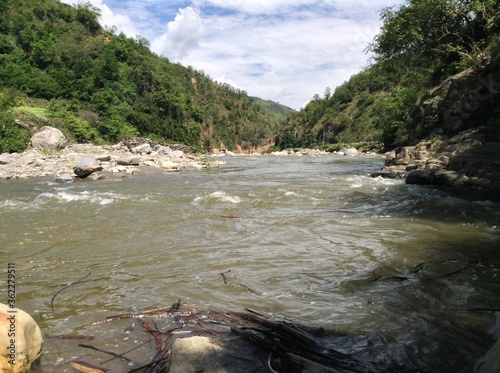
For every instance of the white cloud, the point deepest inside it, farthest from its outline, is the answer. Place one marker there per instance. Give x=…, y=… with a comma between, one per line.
x=108, y=19
x=283, y=50
x=285, y=59
x=181, y=35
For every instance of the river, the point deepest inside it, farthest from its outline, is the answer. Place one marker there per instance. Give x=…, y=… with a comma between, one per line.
x=315, y=240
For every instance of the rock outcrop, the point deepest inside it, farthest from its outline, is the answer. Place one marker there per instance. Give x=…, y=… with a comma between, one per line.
x=462, y=114
x=20, y=341
x=467, y=162
x=489, y=362
x=48, y=138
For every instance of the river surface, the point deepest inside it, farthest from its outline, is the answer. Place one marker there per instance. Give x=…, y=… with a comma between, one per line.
x=314, y=240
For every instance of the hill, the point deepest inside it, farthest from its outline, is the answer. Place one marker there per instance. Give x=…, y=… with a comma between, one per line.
x=100, y=86
x=422, y=46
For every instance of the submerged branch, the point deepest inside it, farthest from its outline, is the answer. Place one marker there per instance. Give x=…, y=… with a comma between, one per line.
x=65, y=287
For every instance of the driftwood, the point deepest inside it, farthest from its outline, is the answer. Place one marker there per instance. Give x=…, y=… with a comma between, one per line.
x=87, y=368
x=65, y=286
x=290, y=348
x=69, y=336
x=410, y=275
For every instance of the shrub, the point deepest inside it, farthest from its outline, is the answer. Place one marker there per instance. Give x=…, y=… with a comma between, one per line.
x=12, y=137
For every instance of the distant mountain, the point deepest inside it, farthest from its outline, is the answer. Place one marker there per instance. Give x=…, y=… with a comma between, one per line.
x=423, y=49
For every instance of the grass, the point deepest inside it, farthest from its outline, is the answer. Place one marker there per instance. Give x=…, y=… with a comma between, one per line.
x=32, y=110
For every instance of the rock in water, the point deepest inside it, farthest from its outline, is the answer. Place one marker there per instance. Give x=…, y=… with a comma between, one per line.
x=87, y=166
x=48, y=138
x=20, y=340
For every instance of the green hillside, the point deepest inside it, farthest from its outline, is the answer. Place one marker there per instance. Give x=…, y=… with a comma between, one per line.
x=102, y=86
x=422, y=47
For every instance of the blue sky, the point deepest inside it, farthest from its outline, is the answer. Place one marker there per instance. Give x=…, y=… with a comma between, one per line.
x=282, y=50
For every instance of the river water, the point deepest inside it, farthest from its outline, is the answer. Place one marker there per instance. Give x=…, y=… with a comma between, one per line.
x=314, y=240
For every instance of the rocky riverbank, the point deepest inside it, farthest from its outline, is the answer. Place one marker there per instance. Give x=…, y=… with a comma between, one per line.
x=467, y=163
x=65, y=162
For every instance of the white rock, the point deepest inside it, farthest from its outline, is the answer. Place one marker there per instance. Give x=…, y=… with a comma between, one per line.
x=142, y=149
x=170, y=166
x=23, y=347
x=48, y=138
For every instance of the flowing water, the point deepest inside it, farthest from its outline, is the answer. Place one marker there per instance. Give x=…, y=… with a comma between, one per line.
x=315, y=240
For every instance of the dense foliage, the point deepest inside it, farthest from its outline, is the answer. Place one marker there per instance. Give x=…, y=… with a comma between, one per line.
x=421, y=43
x=107, y=86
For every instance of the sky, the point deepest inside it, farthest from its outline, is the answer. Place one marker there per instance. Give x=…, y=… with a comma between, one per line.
x=281, y=50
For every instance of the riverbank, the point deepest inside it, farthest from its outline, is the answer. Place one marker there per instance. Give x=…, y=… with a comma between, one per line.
x=116, y=160
x=67, y=162
x=466, y=164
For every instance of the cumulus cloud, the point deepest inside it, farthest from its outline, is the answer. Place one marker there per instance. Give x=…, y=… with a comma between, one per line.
x=109, y=19
x=181, y=35
x=287, y=59
x=283, y=50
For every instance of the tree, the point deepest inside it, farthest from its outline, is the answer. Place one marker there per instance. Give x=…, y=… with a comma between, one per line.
x=420, y=30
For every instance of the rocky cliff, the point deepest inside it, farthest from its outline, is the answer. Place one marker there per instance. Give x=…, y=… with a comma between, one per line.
x=462, y=118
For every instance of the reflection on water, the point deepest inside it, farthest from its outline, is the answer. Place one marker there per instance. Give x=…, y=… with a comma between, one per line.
x=312, y=239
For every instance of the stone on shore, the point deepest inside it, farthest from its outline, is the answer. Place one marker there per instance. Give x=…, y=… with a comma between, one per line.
x=128, y=161
x=4, y=160
x=176, y=154
x=170, y=166
x=48, y=138
x=142, y=149
x=26, y=345
x=212, y=355
x=87, y=166
x=162, y=150
x=351, y=152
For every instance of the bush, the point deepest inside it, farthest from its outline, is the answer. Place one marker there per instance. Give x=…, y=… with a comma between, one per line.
x=13, y=139
x=81, y=129
x=113, y=130
x=335, y=147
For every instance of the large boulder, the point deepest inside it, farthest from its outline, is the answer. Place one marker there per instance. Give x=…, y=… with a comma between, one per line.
x=4, y=160
x=20, y=340
x=87, y=166
x=49, y=138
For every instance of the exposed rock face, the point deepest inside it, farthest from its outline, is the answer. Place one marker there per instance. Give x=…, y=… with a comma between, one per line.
x=490, y=362
x=48, y=138
x=24, y=347
x=468, y=162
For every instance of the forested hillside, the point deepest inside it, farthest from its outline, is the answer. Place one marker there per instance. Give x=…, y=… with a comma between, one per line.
x=56, y=60
x=422, y=44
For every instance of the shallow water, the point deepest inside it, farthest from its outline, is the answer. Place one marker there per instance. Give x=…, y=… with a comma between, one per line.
x=315, y=240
